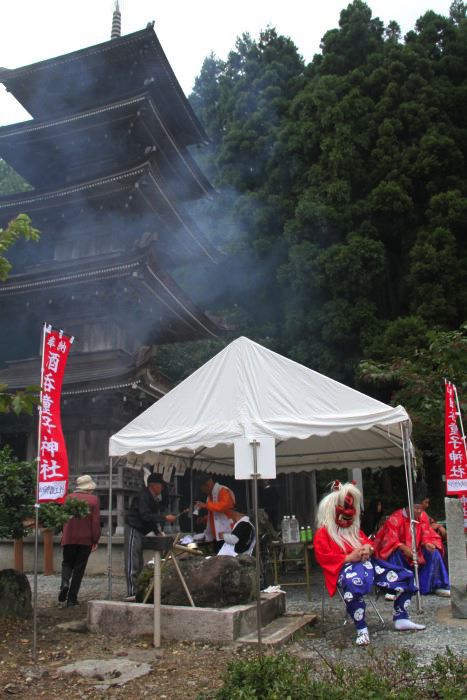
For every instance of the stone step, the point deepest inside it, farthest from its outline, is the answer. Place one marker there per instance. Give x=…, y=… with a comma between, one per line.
x=280, y=630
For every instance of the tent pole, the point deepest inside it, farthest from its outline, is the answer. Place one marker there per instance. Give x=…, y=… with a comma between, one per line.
x=255, y=476
x=192, y=525
x=313, y=498
x=408, y=477
x=109, y=534
x=248, y=500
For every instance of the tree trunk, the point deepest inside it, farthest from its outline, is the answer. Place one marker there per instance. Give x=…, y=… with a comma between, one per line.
x=48, y=540
x=18, y=558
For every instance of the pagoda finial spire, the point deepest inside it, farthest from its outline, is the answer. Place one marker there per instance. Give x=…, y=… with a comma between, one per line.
x=116, y=22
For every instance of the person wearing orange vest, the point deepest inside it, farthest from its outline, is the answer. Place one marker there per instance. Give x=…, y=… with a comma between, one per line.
x=220, y=503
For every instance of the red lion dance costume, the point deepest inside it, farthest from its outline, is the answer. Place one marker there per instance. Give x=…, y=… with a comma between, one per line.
x=345, y=554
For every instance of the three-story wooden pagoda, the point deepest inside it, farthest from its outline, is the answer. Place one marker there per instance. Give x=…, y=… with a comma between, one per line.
x=107, y=156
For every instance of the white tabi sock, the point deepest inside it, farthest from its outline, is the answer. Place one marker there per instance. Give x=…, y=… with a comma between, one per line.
x=363, y=637
x=405, y=624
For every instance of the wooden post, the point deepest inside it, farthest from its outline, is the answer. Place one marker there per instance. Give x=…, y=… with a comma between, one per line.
x=157, y=599
x=48, y=542
x=18, y=557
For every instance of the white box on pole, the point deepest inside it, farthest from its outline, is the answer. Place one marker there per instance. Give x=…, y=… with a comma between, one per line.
x=265, y=456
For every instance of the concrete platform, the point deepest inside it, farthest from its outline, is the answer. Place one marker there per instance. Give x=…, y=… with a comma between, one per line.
x=183, y=623
x=280, y=631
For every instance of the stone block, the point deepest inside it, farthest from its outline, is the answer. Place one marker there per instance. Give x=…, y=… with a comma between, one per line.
x=457, y=556
x=15, y=594
x=183, y=623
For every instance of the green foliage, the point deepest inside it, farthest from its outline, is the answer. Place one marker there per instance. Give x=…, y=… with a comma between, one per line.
x=413, y=375
x=399, y=677
x=178, y=360
x=10, y=181
x=20, y=227
x=17, y=494
x=53, y=516
x=279, y=677
x=342, y=203
x=19, y=402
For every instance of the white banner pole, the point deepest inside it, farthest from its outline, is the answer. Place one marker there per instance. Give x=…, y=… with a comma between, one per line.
x=409, y=480
x=255, y=476
x=45, y=329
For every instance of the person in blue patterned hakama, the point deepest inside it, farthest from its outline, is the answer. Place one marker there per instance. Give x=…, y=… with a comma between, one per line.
x=344, y=553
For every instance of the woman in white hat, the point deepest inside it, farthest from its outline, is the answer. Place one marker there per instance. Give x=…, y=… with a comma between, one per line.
x=80, y=537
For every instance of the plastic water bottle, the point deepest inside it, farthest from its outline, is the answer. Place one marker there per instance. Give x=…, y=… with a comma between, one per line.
x=303, y=534
x=309, y=534
x=285, y=529
x=294, y=530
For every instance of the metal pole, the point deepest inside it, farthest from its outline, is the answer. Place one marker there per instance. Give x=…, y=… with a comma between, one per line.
x=408, y=476
x=37, y=505
x=157, y=599
x=248, y=499
x=109, y=533
x=191, y=496
x=255, y=475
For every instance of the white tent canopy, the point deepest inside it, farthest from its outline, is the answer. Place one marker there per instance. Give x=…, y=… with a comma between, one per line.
x=249, y=391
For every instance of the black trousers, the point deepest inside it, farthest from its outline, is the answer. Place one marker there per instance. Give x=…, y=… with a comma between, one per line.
x=75, y=558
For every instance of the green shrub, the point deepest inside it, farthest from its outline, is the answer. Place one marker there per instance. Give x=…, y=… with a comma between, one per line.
x=379, y=677
x=279, y=677
x=17, y=494
x=54, y=515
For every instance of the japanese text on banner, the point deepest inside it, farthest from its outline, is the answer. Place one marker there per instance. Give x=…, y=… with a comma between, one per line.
x=455, y=453
x=53, y=459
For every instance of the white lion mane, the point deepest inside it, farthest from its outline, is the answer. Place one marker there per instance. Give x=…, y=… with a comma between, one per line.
x=327, y=516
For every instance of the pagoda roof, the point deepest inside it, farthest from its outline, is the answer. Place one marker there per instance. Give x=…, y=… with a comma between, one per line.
x=89, y=372
x=129, y=196
x=61, y=151
x=105, y=73
x=130, y=289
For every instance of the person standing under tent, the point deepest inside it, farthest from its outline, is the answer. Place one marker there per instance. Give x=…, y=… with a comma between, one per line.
x=220, y=502
x=393, y=543
x=143, y=517
x=345, y=554
x=241, y=540
x=79, y=538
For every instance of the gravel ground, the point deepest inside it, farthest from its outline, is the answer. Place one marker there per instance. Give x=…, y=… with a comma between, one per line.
x=92, y=588
x=335, y=640
x=330, y=636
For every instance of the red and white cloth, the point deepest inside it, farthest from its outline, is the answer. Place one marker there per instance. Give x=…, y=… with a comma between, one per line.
x=53, y=459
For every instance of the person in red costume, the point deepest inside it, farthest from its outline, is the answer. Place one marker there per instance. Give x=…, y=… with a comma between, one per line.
x=345, y=554
x=393, y=543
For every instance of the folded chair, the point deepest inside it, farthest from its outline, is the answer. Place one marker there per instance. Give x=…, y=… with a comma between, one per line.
x=368, y=599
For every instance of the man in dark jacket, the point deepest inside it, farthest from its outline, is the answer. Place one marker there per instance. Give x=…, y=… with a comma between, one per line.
x=143, y=517
x=80, y=537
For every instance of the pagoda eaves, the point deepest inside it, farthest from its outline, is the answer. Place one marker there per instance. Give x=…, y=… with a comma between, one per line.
x=105, y=73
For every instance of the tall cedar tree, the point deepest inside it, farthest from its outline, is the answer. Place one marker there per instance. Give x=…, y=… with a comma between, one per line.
x=342, y=203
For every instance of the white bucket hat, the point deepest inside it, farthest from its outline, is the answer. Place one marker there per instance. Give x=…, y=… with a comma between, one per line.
x=85, y=483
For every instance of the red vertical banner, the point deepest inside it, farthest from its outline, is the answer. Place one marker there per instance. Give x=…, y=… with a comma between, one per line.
x=52, y=483
x=455, y=452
